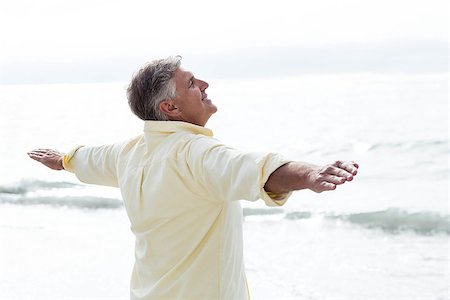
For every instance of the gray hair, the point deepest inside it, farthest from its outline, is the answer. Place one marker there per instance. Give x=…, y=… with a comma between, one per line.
x=151, y=85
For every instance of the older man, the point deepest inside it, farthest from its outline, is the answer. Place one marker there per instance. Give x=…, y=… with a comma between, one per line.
x=181, y=187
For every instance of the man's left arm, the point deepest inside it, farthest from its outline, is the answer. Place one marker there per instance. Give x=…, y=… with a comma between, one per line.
x=234, y=175
x=295, y=176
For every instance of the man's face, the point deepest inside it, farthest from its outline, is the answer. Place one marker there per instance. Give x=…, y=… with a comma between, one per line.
x=191, y=100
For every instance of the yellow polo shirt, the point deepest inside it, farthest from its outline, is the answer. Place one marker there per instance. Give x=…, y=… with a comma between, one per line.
x=180, y=188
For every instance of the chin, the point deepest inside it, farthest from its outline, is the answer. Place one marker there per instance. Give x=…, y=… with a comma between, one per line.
x=209, y=117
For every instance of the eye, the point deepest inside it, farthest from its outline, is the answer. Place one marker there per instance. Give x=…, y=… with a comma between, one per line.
x=191, y=82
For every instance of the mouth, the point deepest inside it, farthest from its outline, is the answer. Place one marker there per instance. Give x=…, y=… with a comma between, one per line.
x=205, y=97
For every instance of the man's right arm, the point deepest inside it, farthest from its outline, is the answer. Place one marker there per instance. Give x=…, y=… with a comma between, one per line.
x=93, y=165
x=295, y=176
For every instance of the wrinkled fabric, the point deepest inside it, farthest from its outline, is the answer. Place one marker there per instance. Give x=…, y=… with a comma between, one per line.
x=180, y=188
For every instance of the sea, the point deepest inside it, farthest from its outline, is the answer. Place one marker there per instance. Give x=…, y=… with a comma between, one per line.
x=383, y=236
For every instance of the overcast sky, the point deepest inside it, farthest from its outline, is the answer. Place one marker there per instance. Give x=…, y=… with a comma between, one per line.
x=89, y=40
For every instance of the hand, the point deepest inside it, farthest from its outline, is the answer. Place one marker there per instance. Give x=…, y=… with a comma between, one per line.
x=48, y=157
x=326, y=178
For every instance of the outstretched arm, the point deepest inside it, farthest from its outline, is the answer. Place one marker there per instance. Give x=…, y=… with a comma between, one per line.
x=93, y=165
x=297, y=176
x=48, y=157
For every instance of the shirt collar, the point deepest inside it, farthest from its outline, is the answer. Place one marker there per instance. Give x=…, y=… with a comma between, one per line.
x=175, y=126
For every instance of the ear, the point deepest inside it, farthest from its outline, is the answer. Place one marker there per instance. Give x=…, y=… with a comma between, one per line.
x=169, y=109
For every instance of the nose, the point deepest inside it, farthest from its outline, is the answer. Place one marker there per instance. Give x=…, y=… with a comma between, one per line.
x=203, y=85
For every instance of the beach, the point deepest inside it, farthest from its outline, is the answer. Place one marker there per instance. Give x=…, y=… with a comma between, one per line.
x=383, y=236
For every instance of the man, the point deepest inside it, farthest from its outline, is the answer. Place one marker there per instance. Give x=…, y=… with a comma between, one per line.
x=180, y=187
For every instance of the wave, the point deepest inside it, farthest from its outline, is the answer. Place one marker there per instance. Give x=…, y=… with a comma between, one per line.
x=29, y=185
x=391, y=220
x=84, y=202
x=396, y=220
x=38, y=192
x=261, y=211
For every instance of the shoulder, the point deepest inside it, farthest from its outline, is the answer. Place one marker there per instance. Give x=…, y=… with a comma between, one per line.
x=126, y=145
x=201, y=142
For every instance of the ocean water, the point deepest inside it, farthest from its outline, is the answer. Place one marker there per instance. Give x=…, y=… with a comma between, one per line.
x=383, y=236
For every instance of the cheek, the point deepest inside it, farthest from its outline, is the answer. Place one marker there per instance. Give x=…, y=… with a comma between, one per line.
x=192, y=96
x=198, y=94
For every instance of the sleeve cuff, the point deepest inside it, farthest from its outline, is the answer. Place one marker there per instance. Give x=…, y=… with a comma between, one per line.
x=271, y=163
x=67, y=165
x=272, y=199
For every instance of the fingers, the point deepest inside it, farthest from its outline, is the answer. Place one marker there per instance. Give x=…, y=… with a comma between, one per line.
x=330, y=176
x=35, y=155
x=49, y=157
x=45, y=156
x=350, y=167
x=336, y=180
x=323, y=186
x=336, y=172
x=43, y=153
x=328, y=183
x=341, y=173
x=327, y=186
